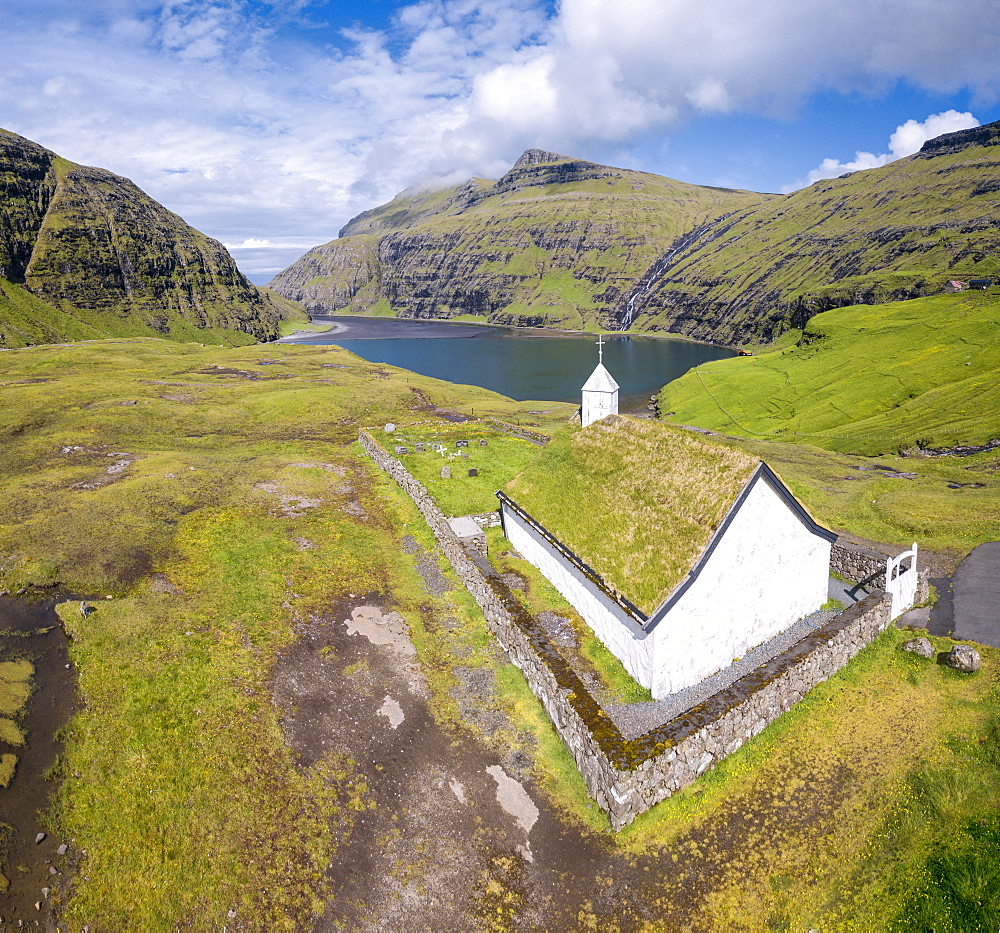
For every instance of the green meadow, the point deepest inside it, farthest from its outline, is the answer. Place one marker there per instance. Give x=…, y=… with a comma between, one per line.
x=848, y=409
x=204, y=499
x=207, y=500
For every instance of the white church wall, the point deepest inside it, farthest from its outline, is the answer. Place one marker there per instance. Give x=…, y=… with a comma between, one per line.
x=767, y=571
x=605, y=618
x=597, y=405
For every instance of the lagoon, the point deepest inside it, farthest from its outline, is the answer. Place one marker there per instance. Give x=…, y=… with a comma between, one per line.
x=521, y=363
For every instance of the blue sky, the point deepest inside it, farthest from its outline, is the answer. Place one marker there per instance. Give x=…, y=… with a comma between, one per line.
x=269, y=125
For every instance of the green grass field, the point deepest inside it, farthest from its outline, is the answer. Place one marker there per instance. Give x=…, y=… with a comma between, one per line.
x=178, y=758
x=235, y=474
x=870, y=379
x=846, y=408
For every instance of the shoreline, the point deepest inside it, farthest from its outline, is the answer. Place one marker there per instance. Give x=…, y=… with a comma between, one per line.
x=342, y=324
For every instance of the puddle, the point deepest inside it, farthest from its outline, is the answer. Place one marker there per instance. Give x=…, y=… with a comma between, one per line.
x=31, y=630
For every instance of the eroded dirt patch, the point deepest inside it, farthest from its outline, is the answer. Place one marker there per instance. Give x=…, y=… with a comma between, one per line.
x=31, y=630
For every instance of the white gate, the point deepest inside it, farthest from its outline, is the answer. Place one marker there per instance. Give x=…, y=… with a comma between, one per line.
x=901, y=582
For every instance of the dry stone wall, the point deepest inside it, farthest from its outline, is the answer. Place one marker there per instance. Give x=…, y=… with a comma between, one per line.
x=627, y=777
x=858, y=564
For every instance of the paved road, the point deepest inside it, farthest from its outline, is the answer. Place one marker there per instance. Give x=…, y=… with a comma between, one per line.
x=976, y=595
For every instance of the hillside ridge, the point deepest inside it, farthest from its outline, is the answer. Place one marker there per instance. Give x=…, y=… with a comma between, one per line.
x=555, y=241
x=564, y=242
x=86, y=253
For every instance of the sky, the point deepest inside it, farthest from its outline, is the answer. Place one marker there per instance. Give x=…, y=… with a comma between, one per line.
x=268, y=125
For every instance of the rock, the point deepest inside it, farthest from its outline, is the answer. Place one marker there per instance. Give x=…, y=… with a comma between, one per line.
x=45, y=892
x=921, y=646
x=62, y=849
x=53, y=870
x=963, y=658
x=40, y=838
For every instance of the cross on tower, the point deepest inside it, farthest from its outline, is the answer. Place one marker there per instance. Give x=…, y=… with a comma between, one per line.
x=600, y=348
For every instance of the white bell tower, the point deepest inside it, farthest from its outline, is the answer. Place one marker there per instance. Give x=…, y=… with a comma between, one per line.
x=600, y=391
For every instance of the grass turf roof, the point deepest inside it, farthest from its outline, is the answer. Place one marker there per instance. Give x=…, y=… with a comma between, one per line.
x=636, y=500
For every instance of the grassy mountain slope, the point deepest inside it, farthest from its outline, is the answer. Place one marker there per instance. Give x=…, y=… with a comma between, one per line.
x=555, y=242
x=896, y=381
x=900, y=231
x=85, y=253
x=923, y=373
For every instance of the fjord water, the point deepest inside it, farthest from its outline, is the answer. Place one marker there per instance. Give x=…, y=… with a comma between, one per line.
x=517, y=362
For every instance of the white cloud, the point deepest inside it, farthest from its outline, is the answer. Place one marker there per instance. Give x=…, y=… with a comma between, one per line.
x=906, y=140
x=273, y=126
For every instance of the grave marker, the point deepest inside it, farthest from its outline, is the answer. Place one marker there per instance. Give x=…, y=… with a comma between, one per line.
x=446, y=472
x=473, y=471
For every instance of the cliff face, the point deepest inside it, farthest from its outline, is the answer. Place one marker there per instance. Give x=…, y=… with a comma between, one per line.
x=554, y=242
x=568, y=243
x=896, y=232
x=84, y=252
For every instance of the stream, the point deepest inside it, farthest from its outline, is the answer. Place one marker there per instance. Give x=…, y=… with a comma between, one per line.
x=30, y=629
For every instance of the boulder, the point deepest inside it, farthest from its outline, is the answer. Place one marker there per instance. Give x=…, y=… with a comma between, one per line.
x=921, y=646
x=963, y=658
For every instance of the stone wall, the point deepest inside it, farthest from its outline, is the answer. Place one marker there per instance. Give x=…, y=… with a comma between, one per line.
x=627, y=777
x=858, y=564
x=536, y=437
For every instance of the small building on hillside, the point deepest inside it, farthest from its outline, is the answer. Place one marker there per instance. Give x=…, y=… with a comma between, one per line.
x=600, y=392
x=981, y=284
x=679, y=553
x=955, y=286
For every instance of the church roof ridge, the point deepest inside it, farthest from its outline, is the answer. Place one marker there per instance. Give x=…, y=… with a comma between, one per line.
x=600, y=380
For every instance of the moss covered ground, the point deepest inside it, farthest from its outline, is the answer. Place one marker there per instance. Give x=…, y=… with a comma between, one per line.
x=219, y=498
x=229, y=476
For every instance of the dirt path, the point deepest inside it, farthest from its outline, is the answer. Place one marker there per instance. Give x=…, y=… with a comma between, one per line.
x=458, y=839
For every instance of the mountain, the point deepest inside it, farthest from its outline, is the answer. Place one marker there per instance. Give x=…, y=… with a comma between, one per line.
x=885, y=234
x=556, y=241
x=85, y=253
x=567, y=243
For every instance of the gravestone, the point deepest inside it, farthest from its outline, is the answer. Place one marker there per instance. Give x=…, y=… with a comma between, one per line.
x=483, y=442
x=420, y=448
x=465, y=455
x=438, y=447
x=446, y=472
x=401, y=450
x=389, y=428
x=473, y=471
x=461, y=443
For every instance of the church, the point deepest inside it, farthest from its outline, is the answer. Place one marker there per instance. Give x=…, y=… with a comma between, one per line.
x=680, y=553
